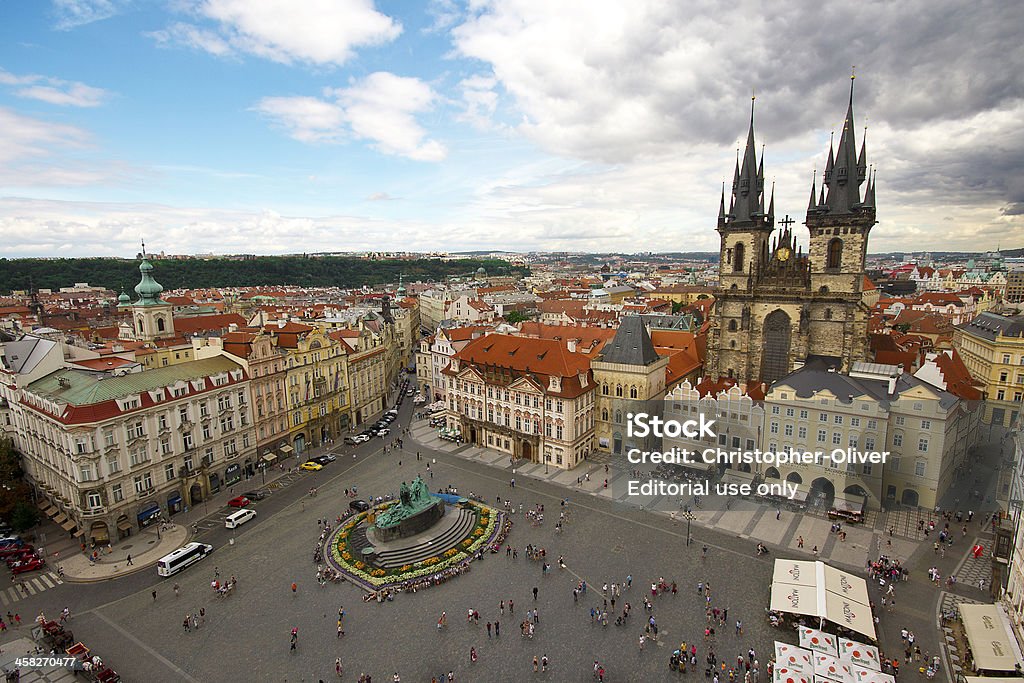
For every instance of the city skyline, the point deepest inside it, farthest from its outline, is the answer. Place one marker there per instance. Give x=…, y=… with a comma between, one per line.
x=260, y=127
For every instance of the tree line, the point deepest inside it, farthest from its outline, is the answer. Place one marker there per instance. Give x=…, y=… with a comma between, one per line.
x=327, y=271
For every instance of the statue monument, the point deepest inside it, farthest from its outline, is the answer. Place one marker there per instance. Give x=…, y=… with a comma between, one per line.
x=415, y=512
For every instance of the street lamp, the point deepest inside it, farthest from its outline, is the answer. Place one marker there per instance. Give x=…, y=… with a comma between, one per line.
x=689, y=516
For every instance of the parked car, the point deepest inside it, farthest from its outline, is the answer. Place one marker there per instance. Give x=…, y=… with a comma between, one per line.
x=255, y=495
x=358, y=438
x=383, y=432
x=14, y=549
x=322, y=460
x=311, y=466
x=359, y=505
x=238, y=502
x=29, y=565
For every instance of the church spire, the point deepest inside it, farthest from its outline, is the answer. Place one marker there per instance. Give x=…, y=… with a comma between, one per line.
x=746, y=205
x=811, y=204
x=847, y=171
x=721, y=207
x=771, y=204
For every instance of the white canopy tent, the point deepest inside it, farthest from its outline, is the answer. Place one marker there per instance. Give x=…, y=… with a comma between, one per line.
x=865, y=656
x=816, y=589
x=793, y=657
x=989, y=633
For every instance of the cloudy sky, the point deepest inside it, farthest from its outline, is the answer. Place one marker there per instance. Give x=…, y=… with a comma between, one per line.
x=274, y=126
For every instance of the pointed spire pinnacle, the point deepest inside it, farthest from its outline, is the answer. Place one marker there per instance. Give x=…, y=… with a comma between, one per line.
x=830, y=164
x=862, y=159
x=721, y=206
x=814, y=181
x=771, y=204
x=736, y=173
x=869, y=193
x=143, y=249
x=821, y=202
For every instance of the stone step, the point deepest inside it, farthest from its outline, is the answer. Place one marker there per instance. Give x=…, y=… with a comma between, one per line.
x=422, y=551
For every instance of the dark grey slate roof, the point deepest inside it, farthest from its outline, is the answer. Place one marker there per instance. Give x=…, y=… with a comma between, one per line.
x=990, y=325
x=631, y=344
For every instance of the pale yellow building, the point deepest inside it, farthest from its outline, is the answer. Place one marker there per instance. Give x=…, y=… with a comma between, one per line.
x=992, y=347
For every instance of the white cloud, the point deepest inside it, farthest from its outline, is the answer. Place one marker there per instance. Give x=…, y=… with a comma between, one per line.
x=73, y=13
x=192, y=36
x=380, y=108
x=479, y=101
x=312, y=31
x=306, y=119
x=54, y=90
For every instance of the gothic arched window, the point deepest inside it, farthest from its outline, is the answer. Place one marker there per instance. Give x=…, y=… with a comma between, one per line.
x=828, y=314
x=835, y=253
x=632, y=392
x=737, y=260
x=160, y=324
x=732, y=325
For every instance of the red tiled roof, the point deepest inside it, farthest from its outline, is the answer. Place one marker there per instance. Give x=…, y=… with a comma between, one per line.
x=527, y=356
x=207, y=323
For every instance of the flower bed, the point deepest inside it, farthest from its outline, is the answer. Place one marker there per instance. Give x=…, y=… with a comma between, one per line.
x=490, y=525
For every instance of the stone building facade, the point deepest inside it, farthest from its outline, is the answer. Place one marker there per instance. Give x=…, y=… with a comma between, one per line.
x=531, y=398
x=776, y=304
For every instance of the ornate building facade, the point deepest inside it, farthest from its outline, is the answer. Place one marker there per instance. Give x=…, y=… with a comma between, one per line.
x=777, y=304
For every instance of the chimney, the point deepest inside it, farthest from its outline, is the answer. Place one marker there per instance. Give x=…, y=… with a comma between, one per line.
x=571, y=344
x=281, y=323
x=892, y=384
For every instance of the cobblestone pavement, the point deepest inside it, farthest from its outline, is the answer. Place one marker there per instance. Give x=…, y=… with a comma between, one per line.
x=246, y=634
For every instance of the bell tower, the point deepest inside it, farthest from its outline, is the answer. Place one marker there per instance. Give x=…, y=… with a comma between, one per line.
x=151, y=316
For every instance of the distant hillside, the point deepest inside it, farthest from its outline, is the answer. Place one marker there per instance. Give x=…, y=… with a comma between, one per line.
x=330, y=271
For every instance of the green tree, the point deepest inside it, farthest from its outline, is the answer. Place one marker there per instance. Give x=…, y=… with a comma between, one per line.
x=514, y=317
x=13, y=489
x=24, y=516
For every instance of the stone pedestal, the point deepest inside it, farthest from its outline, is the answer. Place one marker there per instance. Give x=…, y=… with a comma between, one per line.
x=410, y=526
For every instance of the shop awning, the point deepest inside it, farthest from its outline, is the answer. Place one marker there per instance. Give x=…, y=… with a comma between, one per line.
x=99, y=533
x=988, y=632
x=819, y=641
x=149, y=511
x=79, y=533
x=124, y=525
x=61, y=518
x=43, y=504
x=270, y=457
x=174, y=498
x=68, y=525
x=50, y=510
x=286, y=449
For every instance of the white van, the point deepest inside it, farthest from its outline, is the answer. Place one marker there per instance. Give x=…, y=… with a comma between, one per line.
x=236, y=519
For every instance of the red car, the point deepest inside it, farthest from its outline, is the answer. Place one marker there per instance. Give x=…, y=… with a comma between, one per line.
x=29, y=565
x=238, y=502
x=15, y=550
x=11, y=559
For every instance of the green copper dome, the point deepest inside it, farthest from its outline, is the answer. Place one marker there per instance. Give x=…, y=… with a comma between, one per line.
x=123, y=299
x=148, y=289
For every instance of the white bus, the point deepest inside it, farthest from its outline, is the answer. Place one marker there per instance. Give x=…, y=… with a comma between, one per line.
x=182, y=557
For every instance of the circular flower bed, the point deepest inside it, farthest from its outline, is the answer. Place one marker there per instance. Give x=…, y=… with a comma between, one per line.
x=489, y=527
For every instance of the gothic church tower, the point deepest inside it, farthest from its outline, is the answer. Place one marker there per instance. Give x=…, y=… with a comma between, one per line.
x=777, y=305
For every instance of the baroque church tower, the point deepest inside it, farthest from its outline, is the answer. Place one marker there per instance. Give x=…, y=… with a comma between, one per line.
x=777, y=305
